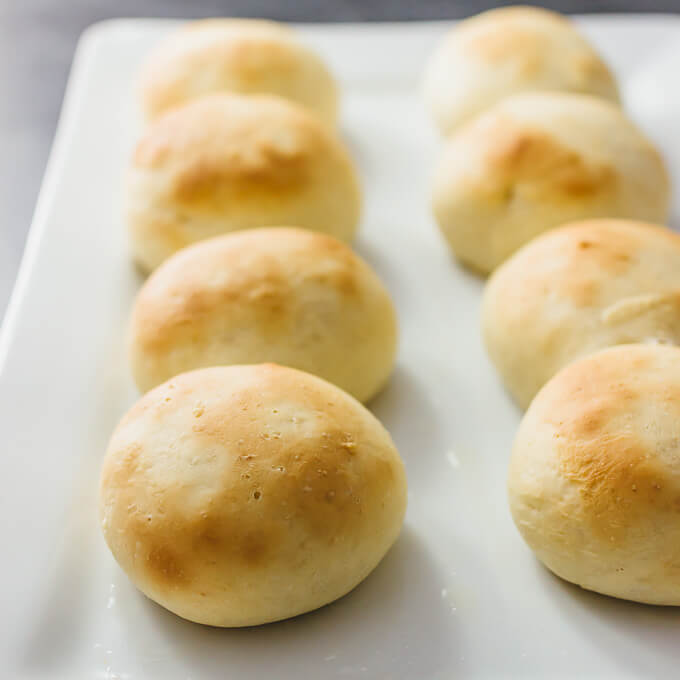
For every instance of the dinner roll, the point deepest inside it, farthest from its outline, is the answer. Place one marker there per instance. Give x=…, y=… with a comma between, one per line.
x=246, y=56
x=239, y=495
x=594, y=479
x=507, y=51
x=291, y=296
x=578, y=289
x=536, y=161
x=227, y=162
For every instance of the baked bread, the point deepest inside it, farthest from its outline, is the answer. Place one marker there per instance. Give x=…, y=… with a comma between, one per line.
x=578, y=289
x=290, y=296
x=239, y=495
x=246, y=56
x=536, y=161
x=594, y=480
x=508, y=51
x=227, y=162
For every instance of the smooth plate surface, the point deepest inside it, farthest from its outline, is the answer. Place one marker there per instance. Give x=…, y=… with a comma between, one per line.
x=459, y=595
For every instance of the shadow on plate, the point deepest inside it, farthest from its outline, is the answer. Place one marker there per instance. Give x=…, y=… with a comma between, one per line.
x=404, y=407
x=389, y=270
x=643, y=639
x=355, y=146
x=394, y=624
x=65, y=608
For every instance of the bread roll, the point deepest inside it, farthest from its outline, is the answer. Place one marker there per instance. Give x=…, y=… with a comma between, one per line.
x=594, y=480
x=578, y=289
x=295, y=297
x=235, y=496
x=536, y=161
x=246, y=56
x=508, y=51
x=229, y=162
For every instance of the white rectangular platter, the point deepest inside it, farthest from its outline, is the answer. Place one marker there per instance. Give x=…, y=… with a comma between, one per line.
x=459, y=596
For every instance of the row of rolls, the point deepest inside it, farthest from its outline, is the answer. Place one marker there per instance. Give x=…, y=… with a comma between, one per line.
x=545, y=184
x=249, y=484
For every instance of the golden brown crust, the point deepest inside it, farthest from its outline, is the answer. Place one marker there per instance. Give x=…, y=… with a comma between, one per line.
x=230, y=144
x=507, y=51
x=536, y=161
x=610, y=467
x=244, y=56
x=226, y=482
x=511, y=33
x=524, y=159
x=300, y=298
x=505, y=15
x=594, y=483
x=580, y=288
x=227, y=162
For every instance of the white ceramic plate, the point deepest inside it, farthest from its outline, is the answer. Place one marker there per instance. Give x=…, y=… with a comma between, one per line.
x=459, y=595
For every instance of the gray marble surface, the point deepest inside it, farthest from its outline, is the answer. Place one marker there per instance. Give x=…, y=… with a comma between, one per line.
x=37, y=39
